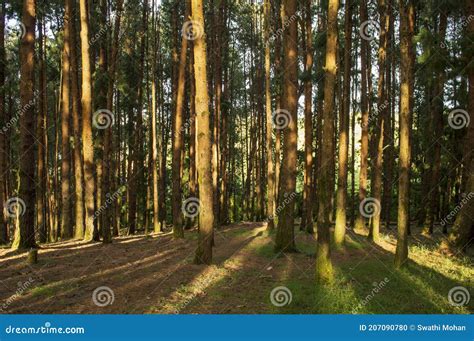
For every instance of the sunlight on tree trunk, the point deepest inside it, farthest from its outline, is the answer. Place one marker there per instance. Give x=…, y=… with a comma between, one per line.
x=203, y=155
x=324, y=270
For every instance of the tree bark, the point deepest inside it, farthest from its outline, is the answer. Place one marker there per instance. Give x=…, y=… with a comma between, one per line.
x=374, y=232
x=269, y=138
x=401, y=255
x=462, y=233
x=66, y=222
x=178, y=140
x=25, y=238
x=307, y=214
x=285, y=232
x=341, y=196
x=91, y=232
x=206, y=196
x=3, y=152
x=324, y=271
x=364, y=148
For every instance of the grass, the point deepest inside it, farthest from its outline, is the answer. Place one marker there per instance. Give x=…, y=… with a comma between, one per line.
x=371, y=288
x=365, y=282
x=44, y=291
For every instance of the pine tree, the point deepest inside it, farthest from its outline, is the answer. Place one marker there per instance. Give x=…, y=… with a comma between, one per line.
x=203, y=155
x=324, y=271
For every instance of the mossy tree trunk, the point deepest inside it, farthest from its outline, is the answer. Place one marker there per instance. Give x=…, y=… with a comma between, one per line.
x=324, y=270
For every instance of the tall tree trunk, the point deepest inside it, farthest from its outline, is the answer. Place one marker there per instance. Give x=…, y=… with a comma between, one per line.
x=285, y=241
x=382, y=113
x=462, y=232
x=437, y=121
x=324, y=271
x=278, y=22
x=153, y=135
x=341, y=197
x=178, y=139
x=401, y=254
x=217, y=85
x=40, y=133
x=25, y=238
x=91, y=232
x=206, y=215
x=269, y=139
x=107, y=164
x=66, y=225
x=136, y=159
x=388, y=149
x=307, y=215
x=3, y=152
x=78, y=165
x=364, y=148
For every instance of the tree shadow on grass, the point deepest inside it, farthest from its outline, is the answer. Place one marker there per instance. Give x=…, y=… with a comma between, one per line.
x=366, y=282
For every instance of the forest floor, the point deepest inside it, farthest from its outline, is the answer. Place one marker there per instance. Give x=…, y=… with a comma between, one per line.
x=157, y=275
